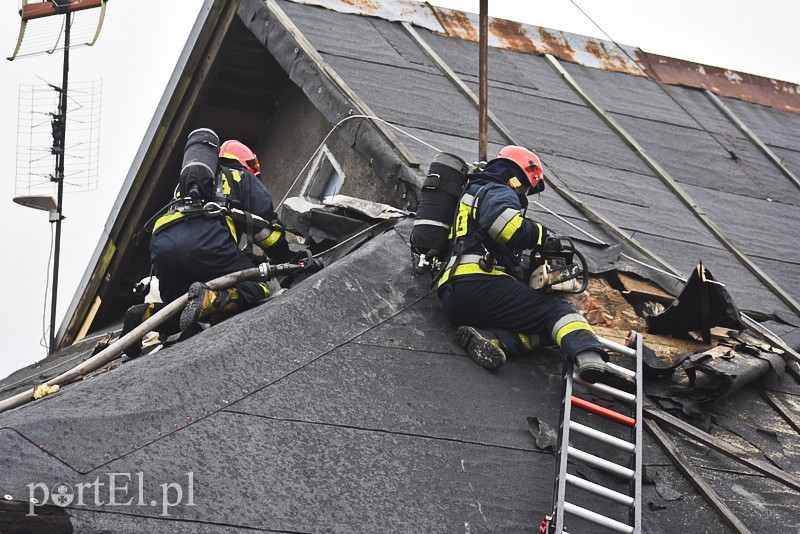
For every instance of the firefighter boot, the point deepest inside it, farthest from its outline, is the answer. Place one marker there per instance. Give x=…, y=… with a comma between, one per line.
x=592, y=368
x=136, y=315
x=207, y=305
x=482, y=346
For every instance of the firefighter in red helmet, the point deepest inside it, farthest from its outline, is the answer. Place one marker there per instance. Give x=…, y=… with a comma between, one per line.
x=482, y=286
x=190, y=246
x=238, y=151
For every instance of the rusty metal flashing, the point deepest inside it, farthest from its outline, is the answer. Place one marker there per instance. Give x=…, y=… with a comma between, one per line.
x=580, y=49
x=607, y=55
x=529, y=39
x=752, y=136
x=417, y=13
x=670, y=182
x=724, y=82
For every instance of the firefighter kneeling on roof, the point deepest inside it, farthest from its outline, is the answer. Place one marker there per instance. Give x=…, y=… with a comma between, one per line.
x=218, y=195
x=481, y=286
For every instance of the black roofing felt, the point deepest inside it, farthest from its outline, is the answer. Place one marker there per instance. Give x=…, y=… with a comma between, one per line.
x=343, y=405
x=775, y=127
x=373, y=422
x=530, y=98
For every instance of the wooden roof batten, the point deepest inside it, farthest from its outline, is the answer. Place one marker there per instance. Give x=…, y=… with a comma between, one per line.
x=750, y=134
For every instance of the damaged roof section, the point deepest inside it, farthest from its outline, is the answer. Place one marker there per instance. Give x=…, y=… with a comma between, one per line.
x=373, y=420
x=348, y=394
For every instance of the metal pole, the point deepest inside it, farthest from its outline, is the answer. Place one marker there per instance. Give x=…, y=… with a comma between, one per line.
x=483, y=90
x=59, y=148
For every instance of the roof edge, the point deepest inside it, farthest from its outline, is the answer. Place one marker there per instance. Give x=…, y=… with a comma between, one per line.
x=579, y=49
x=97, y=266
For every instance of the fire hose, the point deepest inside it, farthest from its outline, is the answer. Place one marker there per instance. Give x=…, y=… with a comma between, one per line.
x=264, y=271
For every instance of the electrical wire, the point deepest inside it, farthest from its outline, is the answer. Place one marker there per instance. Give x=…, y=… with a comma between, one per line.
x=45, y=333
x=659, y=84
x=400, y=130
x=358, y=116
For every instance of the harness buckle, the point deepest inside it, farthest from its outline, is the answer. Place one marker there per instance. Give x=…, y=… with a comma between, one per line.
x=212, y=209
x=487, y=262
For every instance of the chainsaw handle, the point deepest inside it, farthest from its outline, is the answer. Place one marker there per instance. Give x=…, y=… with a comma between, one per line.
x=584, y=272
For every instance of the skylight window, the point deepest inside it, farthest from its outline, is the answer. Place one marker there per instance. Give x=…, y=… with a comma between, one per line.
x=325, y=178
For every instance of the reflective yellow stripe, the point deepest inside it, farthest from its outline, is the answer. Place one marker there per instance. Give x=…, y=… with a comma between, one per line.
x=226, y=187
x=231, y=227
x=509, y=230
x=526, y=341
x=265, y=288
x=270, y=240
x=460, y=227
x=237, y=177
x=467, y=268
x=541, y=234
x=165, y=219
x=571, y=327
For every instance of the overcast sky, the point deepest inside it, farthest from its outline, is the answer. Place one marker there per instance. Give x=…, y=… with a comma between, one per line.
x=137, y=51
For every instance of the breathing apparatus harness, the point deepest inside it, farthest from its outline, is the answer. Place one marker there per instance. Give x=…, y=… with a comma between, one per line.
x=553, y=265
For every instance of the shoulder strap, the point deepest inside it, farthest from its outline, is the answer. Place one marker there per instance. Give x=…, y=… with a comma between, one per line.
x=477, y=237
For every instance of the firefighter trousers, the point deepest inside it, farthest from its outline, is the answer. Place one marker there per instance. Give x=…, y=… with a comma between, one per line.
x=199, y=250
x=516, y=312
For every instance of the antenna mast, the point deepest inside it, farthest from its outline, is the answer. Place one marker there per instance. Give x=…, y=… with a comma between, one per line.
x=40, y=10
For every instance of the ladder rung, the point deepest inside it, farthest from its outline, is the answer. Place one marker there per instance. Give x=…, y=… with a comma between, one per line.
x=602, y=491
x=623, y=370
x=616, y=347
x=598, y=519
x=614, y=441
x=601, y=463
x=603, y=412
x=614, y=393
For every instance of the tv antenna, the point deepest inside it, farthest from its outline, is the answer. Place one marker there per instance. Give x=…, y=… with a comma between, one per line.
x=39, y=21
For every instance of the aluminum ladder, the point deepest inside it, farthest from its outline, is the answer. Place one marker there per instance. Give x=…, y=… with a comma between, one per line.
x=632, y=473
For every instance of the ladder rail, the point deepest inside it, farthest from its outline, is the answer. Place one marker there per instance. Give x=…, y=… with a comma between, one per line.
x=636, y=511
x=633, y=473
x=560, y=489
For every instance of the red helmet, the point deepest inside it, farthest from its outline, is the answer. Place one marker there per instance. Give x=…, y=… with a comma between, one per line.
x=233, y=149
x=526, y=160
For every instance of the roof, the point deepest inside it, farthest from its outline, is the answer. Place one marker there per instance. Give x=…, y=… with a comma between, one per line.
x=343, y=404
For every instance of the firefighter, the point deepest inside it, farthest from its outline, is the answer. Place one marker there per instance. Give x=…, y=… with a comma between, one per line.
x=482, y=285
x=188, y=248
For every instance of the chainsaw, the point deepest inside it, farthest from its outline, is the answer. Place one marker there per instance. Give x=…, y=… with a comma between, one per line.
x=555, y=268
